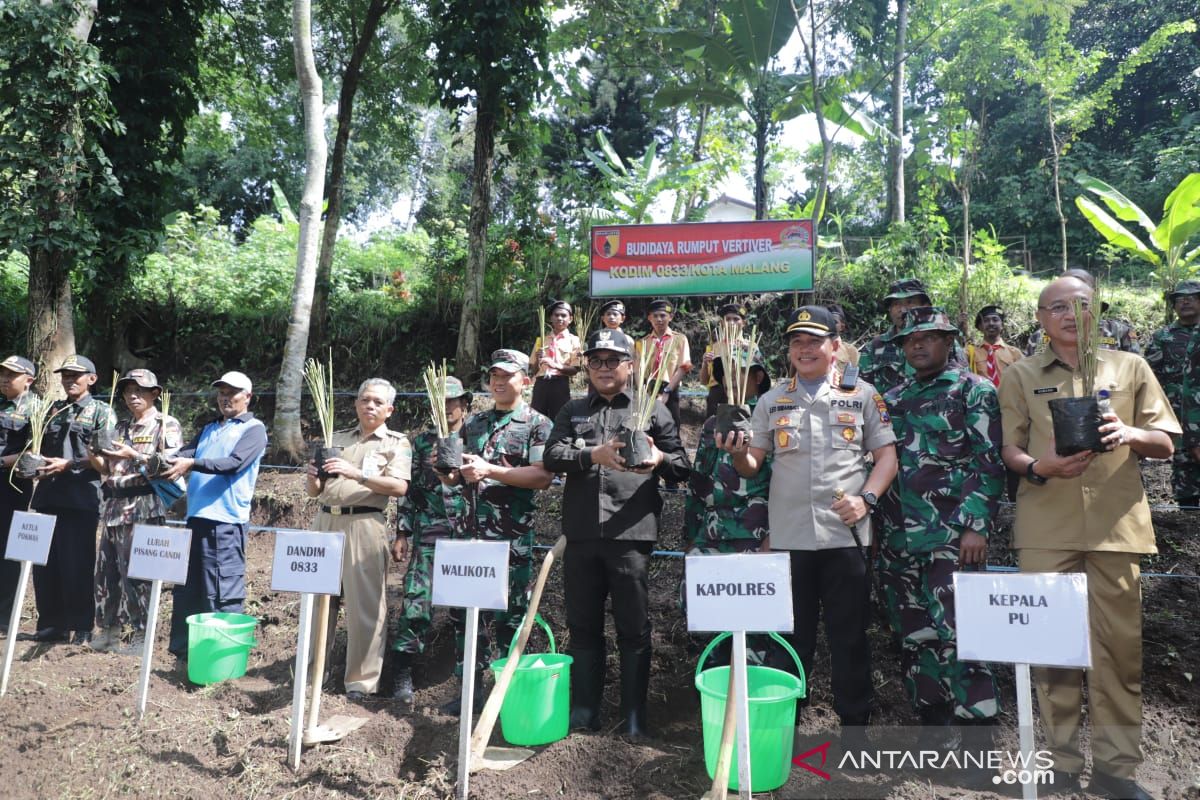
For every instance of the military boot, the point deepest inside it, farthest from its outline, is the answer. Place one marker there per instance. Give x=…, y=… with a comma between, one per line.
x=402, y=682
x=635, y=682
x=107, y=640
x=587, y=689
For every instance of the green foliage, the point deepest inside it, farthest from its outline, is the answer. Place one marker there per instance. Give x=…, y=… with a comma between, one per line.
x=53, y=98
x=1174, y=242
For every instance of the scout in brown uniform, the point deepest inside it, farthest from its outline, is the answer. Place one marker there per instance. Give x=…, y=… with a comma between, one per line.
x=672, y=357
x=991, y=357
x=1088, y=513
x=374, y=466
x=555, y=358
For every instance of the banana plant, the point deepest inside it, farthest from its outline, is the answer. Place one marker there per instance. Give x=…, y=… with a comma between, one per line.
x=1167, y=243
x=635, y=186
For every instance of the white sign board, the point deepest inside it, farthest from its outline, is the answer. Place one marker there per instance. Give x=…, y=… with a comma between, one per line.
x=470, y=574
x=29, y=537
x=159, y=553
x=308, y=562
x=739, y=592
x=1023, y=618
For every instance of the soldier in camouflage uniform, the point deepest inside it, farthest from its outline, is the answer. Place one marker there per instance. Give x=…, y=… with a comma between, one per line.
x=881, y=363
x=122, y=602
x=937, y=517
x=16, y=376
x=1174, y=355
x=502, y=468
x=432, y=509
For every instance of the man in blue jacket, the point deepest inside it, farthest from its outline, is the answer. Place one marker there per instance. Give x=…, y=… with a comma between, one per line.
x=223, y=464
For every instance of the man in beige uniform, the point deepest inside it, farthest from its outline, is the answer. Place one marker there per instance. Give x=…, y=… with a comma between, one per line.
x=1088, y=513
x=819, y=427
x=374, y=466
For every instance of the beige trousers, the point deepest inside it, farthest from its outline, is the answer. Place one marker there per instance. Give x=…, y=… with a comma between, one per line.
x=365, y=561
x=1115, y=679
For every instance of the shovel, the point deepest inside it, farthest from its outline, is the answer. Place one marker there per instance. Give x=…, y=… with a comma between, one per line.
x=336, y=727
x=720, y=784
x=500, y=758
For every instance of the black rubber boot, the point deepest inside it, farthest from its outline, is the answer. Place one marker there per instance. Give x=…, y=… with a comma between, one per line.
x=454, y=707
x=937, y=728
x=635, y=682
x=402, y=682
x=587, y=689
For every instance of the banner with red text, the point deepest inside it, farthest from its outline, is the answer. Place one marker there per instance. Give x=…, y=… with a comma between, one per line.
x=702, y=258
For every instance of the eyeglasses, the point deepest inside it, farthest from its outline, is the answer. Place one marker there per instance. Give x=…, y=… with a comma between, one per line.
x=612, y=362
x=1058, y=309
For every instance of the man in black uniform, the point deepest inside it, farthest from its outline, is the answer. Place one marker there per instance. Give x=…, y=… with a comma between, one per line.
x=69, y=488
x=16, y=376
x=610, y=519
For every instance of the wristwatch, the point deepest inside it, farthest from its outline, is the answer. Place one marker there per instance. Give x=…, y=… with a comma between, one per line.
x=870, y=498
x=1033, y=477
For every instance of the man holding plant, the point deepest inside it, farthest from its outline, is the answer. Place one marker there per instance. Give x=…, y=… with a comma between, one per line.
x=1174, y=355
x=817, y=429
x=16, y=376
x=431, y=509
x=222, y=467
x=69, y=488
x=501, y=470
x=1087, y=512
x=610, y=519
x=140, y=444
x=353, y=490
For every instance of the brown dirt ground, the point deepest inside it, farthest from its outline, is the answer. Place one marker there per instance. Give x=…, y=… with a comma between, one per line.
x=71, y=727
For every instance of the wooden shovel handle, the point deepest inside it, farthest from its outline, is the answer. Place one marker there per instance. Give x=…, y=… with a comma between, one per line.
x=491, y=709
x=318, y=673
x=720, y=784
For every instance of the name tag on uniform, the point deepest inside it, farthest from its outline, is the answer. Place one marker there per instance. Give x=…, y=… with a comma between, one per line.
x=1046, y=390
x=372, y=466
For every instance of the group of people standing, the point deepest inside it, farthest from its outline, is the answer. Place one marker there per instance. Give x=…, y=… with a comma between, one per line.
x=894, y=459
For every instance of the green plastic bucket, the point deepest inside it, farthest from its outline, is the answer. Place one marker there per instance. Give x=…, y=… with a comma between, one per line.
x=537, y=707
x=218, y=646
x=772, y=695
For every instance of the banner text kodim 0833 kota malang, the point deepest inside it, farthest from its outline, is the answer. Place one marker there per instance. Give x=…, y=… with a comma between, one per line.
x=702, y=258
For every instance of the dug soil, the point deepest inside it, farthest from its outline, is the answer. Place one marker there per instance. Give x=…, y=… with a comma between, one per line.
x=71, y=727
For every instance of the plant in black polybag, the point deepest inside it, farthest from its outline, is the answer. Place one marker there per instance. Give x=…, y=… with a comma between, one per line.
x=1077, y=420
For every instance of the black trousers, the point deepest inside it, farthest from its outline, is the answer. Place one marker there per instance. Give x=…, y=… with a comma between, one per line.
x=593, y=569
x=833, y=584
x=63, y=586
x=216, y=579
x=10, y=571
x=550, y=395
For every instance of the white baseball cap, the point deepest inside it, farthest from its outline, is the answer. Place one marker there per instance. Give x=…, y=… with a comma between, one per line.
x=237, y=380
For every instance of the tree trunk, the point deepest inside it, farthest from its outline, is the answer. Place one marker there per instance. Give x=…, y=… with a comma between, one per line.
x=762, y=121
x=51, y=336
x=896, y=145
x=288, y=436
x=351, y=79
x=826, y=143
x=466, y=358
x=1054, y=157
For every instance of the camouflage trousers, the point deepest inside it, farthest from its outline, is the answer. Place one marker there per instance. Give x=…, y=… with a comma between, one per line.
x=1185, y=475
x=497, y=628
x=120, y=600
x=918, y=596
x=416, y=616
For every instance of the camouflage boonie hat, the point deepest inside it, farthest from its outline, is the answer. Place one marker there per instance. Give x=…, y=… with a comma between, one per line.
x=509, y=361
x=1182, y=289
x=453, y=388
x=925, y=318
x=905, y=287
x=19, y=364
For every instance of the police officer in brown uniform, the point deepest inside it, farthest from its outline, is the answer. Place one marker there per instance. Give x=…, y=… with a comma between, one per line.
x=1088, y=513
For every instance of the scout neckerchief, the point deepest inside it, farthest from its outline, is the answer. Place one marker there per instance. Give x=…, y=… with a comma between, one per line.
x=660, y=343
